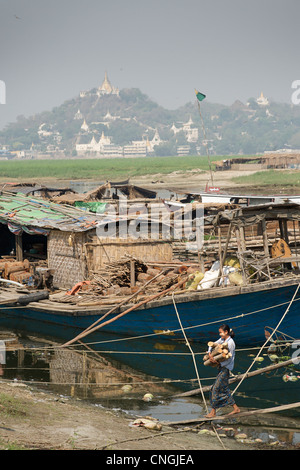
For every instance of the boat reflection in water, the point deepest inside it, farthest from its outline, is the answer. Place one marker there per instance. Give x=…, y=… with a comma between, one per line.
x=107, y=369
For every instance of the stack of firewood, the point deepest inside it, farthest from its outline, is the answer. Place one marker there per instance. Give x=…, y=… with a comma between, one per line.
x=126, y=277
x=219, y=352
x=119, y=272
x=14, y=270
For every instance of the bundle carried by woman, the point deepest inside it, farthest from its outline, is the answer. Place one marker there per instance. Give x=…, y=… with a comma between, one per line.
x=219, y=352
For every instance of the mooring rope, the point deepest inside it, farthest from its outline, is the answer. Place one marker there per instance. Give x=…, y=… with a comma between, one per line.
x=192, y=352
x=196, y=369
x=268, y=339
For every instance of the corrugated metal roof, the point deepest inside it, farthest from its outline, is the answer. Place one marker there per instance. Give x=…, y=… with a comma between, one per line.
x=21, y=211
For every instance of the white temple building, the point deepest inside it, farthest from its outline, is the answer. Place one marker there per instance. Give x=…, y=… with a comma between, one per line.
x=78, y=116
x=84, y=126
x=191, y=133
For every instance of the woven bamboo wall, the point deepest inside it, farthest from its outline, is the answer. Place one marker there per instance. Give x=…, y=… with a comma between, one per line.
x=101, y=252
x=65, y=256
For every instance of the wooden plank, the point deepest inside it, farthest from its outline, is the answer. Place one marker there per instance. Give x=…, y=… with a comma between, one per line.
x=230, y=416
x=241, y=376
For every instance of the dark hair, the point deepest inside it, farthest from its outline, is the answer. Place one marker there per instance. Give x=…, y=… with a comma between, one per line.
x=226, y=328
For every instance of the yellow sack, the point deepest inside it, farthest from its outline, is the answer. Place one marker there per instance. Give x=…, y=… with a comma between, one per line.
x=232, y=261
x=193, y=280
x=235, y=279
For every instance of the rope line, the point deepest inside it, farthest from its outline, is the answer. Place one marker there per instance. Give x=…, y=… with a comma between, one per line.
x=192, y=353
x=196, y=368
x=268, y=339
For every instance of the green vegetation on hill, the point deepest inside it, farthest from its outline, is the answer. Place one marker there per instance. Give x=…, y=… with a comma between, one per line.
x=236, y=129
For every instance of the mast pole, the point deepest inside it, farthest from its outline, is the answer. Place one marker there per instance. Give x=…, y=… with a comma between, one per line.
x=206, y=146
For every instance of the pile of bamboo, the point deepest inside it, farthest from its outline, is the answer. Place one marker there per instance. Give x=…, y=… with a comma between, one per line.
x=219, y=352
x=13, y=270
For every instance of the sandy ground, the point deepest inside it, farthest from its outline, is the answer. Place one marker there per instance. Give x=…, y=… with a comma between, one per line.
x=192, y=180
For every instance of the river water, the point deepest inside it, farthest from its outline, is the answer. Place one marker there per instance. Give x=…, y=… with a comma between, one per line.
x=103, y=380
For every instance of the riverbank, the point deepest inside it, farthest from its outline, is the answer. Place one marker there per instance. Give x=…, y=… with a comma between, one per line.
x=188, y=180
x=37, y=420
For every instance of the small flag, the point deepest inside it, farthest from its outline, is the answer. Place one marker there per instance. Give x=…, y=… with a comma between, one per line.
x=199, y=95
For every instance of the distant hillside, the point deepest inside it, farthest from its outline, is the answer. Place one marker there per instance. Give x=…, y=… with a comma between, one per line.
x=129, y=115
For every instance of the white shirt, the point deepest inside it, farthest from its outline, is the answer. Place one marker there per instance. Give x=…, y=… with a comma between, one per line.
x=228, y=363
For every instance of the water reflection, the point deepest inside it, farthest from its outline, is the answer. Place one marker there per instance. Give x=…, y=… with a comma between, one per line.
x=120, y=379
x=102, y=381
x=81, y=373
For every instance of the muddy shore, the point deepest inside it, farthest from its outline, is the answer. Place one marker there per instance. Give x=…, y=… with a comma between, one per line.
x=37, y=420
x=191, y=180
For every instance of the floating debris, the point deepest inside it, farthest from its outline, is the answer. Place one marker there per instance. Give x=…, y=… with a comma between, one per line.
x=148, y=397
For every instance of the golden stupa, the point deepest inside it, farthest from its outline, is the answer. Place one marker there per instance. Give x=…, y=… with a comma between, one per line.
x=106, y=86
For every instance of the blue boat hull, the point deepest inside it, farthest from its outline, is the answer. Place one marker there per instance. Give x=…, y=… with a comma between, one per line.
x=248, y=313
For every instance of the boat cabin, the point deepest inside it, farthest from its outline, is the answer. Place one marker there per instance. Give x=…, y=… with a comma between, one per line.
x=39, y=236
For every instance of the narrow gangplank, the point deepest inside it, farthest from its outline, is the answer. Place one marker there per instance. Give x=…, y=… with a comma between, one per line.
x=229, y=416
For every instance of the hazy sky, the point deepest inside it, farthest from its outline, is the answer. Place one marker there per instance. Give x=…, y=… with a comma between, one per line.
x=228, y=49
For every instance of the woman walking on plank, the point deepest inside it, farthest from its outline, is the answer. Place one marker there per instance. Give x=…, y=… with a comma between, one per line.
x=220, y=394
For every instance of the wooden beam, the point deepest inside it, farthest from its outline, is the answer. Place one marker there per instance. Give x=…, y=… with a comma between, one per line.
x=19, y=247
x=240, y=377
x=229, y=416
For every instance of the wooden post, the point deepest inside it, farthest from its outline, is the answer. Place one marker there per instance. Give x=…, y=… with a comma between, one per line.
x=266, y=244
x=283, y=230
x=21, y=358
x=286, y=233
x=240, y=255
x=200, y=242
x=132, y=273
x=226, y=244
x=265, y=238
x=295, y=238
x=19, y=247
x=243, y=241
x=220, y=257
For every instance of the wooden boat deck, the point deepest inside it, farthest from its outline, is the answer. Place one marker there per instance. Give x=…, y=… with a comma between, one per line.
x=10, y=296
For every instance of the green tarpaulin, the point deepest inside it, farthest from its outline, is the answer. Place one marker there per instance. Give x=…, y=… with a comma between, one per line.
x=93, y=206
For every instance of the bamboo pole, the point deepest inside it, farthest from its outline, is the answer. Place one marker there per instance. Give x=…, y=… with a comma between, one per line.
x=115, y=308
x=134, y=307
x=240, y=377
